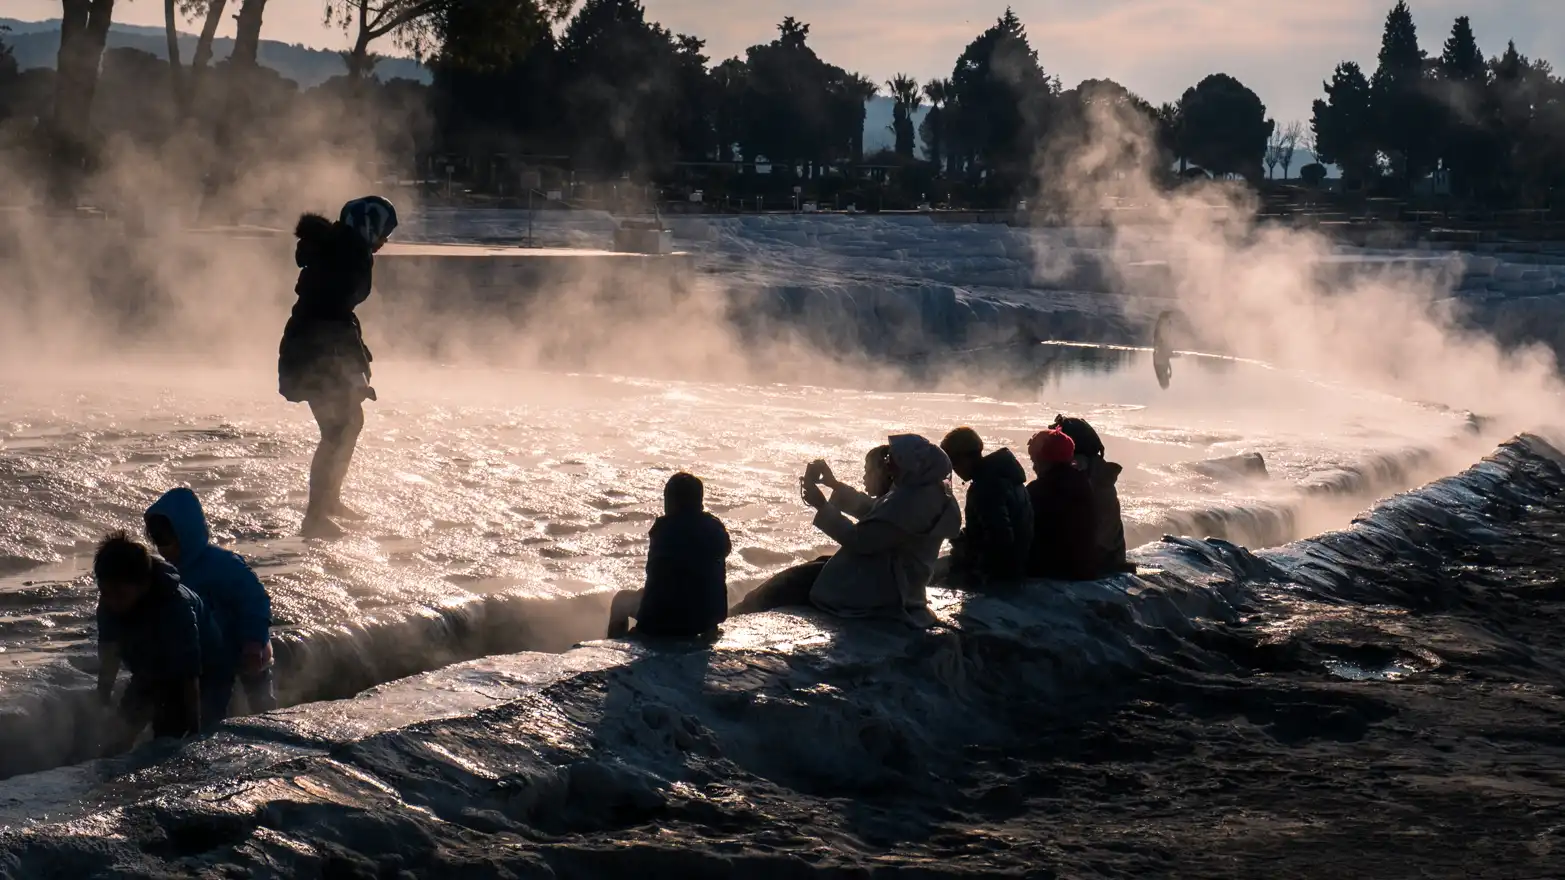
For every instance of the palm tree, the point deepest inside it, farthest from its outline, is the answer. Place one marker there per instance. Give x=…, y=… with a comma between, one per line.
x=906, y=101
x=860, y=91
x=939, y=92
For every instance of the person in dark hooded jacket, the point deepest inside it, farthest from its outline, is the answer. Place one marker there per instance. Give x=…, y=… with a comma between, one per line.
x=235, y=596
x=686, y=593
x=162, y=633
x=1064, y=544
x=996, y=539
x=322, y=359
x=1103, y=474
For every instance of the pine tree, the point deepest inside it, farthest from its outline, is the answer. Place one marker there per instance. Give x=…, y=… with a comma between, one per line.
x=1462, y=61
x=1403, y=112
x=1344, y=124
x=1466, y=137
x=1004, y=98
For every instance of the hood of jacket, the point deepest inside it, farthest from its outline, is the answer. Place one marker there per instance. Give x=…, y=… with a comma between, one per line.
x=1101, y=472
x=321, y=239
x=165, y=579
x=919, y=503
x=315, y=235
x=919, y=462
x=182, y=509
x=1001, y=466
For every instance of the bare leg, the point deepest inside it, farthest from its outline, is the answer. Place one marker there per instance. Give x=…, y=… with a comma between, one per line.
x=331, y=418
x=347, y=442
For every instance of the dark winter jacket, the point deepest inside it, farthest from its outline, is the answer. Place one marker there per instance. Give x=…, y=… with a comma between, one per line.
x=233, y=594
x=1104, y=476
x=1065, y=522
x=323, y=351
x=169, y=636
x=1110, y=532
x=687, y=576
x=996, y=541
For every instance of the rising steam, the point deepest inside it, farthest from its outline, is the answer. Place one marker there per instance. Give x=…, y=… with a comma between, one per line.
x=1270, y=291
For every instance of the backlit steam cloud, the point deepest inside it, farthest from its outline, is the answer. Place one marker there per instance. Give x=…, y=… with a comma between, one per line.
x=1270, y=291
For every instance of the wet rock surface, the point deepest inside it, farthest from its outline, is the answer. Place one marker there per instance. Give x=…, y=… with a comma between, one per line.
x=1382, y=701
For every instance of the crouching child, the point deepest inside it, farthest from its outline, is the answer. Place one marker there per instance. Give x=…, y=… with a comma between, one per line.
x=160, y=632
x=686, y=594
x=233, y=595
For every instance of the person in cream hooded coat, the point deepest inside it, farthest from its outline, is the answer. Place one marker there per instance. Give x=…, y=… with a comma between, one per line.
x=888, y=555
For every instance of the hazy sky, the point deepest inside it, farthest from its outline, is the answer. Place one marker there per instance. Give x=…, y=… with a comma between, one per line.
x=1155, y=47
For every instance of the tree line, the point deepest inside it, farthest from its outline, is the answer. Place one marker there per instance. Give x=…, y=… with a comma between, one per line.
x=609, y=93
x=1494, y=128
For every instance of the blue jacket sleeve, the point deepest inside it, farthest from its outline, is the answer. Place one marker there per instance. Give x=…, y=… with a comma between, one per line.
x=251, y=603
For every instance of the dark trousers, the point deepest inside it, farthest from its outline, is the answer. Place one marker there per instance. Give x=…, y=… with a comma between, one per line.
x=161, y=703
x=789, y=587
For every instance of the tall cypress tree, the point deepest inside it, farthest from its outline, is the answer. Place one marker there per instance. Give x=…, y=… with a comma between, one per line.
x=1462, y=61
x=1403, y=112
x=1467, y=132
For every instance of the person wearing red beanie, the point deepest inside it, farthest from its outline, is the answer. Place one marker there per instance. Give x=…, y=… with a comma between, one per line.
x=1051, y=447
x=1064, y=545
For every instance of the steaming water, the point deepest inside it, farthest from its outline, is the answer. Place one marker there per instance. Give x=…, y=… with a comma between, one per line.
x=505, y=505
x=491, y=492
x=822, y=741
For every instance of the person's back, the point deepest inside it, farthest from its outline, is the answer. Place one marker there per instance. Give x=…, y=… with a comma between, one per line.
x=1103, y=474
x=154, y=636
x=235, y=597
x=323, y=345
x=336, y=268
x=1000, y=518
x=996, y=540
x=687, y=576
x=1109, y=536
x=1064, y=545
x=686, y=593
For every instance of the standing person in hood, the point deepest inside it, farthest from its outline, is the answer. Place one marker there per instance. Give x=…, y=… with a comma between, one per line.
x=996, y=541
x=1064, y=543
x=322, y=360
x=686, y=595
x=888, y=556
x=237, y=601
x=160, y=631
x=1104, y=476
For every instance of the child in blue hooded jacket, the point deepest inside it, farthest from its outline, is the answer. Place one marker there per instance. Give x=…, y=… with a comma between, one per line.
x=238, y=601
x=161, y=632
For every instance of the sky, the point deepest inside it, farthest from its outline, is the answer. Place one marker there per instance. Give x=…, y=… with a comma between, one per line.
x=1157, y=48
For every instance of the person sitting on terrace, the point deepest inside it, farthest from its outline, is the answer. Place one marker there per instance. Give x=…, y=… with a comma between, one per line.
x=996, y=538
x=686, y=593
x=887, y=556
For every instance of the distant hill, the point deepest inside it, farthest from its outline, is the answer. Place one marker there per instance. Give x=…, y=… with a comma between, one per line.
x=37, y=44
